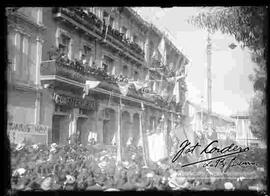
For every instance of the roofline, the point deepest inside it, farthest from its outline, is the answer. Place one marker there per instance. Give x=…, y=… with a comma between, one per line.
x=226, y=118
x=156, y=30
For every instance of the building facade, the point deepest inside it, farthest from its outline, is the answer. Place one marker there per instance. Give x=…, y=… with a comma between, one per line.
x=24, y=44
x=117, y=52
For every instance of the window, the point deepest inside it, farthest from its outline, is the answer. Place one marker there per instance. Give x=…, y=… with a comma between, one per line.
x=111, y=22
x=125, y=70
x=64, y=42
x=24, y=63
x=108, y=65
x=105, y=14
x=124, y=31
x=86, y=56
x=135, y=39
x=136, y=75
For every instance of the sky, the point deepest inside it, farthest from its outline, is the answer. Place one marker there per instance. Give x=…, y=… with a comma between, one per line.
x=231, y=88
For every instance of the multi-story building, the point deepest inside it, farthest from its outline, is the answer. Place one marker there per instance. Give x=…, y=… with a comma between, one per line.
x=25, y=38
x=118, y=54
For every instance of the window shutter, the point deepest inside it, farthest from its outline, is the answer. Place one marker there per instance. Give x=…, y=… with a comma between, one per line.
x=33, y=60
x=17, y=51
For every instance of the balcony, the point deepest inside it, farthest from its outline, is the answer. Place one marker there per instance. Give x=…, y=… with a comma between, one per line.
x=91, y=24
x=75, y=73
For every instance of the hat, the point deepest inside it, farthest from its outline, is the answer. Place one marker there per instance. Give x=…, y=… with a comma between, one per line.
x=228, y=186
x=45, y=185
x=150, y=175
x=19, y=171
x=241, y=178
x=20, y=147
x=69, y=179
x=35, y=146
x=54, y=145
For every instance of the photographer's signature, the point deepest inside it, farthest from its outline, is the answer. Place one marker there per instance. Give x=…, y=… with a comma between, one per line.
x=217, y=161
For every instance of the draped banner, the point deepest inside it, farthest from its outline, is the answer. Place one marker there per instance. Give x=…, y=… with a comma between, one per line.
x=157, y=146
x=123, y=88
x=89, y=85
x=139, y=84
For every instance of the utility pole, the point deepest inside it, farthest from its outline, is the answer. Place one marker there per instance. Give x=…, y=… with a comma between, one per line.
x=209, y=77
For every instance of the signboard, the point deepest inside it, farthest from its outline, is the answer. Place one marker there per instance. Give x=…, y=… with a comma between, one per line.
x=24, y=133
x=75, y=102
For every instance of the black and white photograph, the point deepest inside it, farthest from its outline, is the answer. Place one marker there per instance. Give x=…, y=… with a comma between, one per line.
x=136, y=98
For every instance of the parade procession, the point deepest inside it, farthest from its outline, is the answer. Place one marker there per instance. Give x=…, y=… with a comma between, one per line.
x=97, y=99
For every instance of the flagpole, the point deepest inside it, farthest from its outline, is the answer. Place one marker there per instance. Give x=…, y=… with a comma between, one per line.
x=119, y=154
x=142, y=135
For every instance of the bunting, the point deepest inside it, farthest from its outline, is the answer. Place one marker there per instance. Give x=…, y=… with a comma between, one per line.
x=139, y=84
x=89, y=85
x=123, y=87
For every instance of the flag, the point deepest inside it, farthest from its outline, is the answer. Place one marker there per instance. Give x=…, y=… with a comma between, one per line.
x=114, y=140
x=176, y=92
x=162, y=51
x=89, y=85
x=123, y=87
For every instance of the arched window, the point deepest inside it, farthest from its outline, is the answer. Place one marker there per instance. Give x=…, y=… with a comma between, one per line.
x=125, y=70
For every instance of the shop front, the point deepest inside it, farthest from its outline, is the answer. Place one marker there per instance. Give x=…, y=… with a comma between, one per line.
x=73, y=118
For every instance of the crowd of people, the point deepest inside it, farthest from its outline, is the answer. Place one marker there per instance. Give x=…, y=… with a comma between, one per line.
x=94, y=167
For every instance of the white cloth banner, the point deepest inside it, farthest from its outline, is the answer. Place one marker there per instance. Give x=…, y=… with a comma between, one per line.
x=157, y=146
x=92, y=135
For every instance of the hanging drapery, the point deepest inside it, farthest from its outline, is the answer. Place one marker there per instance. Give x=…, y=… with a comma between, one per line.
x=89, y=85
x=123, y=87
x=157, y=146
x=119, y=151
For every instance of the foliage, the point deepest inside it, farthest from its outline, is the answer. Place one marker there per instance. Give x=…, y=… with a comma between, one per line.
x=248, y=24
x=257, y=115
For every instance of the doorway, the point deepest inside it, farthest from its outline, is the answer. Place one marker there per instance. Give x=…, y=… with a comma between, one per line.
x=56, y=128
x=81, y=130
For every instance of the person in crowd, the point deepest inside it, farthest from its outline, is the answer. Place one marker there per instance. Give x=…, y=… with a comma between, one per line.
x=75, y=167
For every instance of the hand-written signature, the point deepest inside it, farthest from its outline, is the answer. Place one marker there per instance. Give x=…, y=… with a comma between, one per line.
x=186, y=148
x=223, y=164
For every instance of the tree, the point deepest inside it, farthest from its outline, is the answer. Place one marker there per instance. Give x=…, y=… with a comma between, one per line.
x=257, y=115
x=248, y=25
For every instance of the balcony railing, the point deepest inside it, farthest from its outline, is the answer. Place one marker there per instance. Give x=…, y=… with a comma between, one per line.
x=91, y=22
x=76, y=71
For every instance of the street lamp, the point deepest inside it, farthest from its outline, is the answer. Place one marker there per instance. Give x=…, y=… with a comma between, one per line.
x=209, y=50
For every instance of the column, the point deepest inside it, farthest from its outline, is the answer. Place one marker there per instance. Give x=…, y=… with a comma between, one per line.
x=119, y=152
x=145, y=126
x=37, y=82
